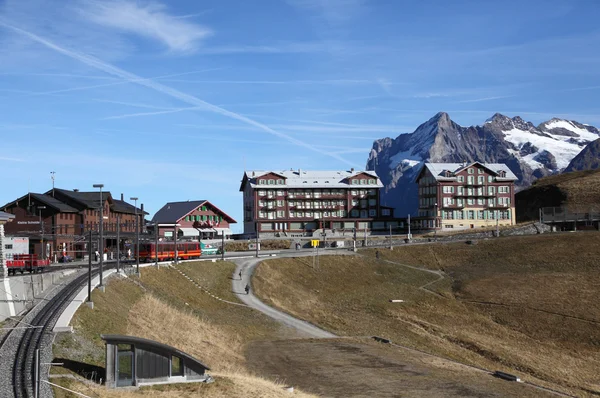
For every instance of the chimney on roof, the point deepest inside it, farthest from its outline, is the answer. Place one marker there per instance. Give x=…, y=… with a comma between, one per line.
x=352, y=170
x=122, y=199
x=253, y=174
x=299, y=171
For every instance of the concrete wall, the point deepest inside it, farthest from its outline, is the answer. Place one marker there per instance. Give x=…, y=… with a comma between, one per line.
x=18, y=292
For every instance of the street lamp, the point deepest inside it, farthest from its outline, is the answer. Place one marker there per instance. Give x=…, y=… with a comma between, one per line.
x=101, y=242
x=40, y=208
x=435, y=216
x=137, y=237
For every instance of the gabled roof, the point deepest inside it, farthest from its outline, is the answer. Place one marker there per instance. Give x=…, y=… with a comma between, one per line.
x=437, y=170
x=46, y=200
x=120, y=206
x=90, y=200
x=175, y=211
x=310, y=178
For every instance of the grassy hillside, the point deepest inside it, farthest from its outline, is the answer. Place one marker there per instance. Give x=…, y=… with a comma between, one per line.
x=526, y=305
x=166, y=307
x=579, y=190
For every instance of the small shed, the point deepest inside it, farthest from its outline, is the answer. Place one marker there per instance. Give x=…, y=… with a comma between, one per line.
x=134, y=361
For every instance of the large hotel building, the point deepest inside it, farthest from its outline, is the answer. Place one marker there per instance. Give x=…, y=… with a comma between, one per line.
x=460, y=195
x=299, y=201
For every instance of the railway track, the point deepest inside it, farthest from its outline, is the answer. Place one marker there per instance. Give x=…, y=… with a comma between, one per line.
x=23, y=382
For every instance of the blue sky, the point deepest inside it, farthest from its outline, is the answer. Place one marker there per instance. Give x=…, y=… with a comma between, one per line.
x=170, y=100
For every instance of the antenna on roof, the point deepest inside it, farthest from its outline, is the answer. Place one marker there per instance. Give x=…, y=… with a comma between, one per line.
x=52, y=173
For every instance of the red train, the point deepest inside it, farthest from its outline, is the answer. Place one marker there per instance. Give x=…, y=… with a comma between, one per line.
x=166, y=251
x=26, y=262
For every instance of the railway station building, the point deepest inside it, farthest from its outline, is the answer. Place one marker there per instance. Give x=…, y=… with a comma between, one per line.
x=192, y=219
x=57, y=222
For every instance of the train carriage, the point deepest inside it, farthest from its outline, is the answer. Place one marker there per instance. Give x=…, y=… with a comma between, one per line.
x=166, y=251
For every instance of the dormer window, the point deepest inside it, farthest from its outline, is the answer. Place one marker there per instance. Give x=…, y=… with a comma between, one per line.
x=501, y=173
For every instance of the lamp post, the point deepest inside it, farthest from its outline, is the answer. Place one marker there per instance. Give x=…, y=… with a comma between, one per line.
x=435, y=217
x=101, y=227
x=137, y=237
x=40, y=208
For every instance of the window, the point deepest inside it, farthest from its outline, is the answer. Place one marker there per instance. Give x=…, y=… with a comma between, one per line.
x=461, y=179
x=271, y=182
x=479, y=171
x=460, y=190
x=491, y=190
x=262, y=182
x=471, y=215
x=354, y=182
x=469, y=201
x=470, y=180
x=260, y=193
x=471, y=171
x=279, y=182
x=480, y=201
x=8, y=247
x=176, y=366
x=372, y=213
x=372, y=202
x=385, y=212
x=354, y=213
x=372, y=182
x=480, y=180
x=480, y=215
x=490, y=179
x=280, y=214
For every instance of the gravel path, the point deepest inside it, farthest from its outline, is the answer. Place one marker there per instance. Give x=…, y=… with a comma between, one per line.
x=9, y=348
x=247, y=266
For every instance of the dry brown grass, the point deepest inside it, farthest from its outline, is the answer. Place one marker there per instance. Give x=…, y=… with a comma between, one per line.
x=172, y=311
x=540, y=286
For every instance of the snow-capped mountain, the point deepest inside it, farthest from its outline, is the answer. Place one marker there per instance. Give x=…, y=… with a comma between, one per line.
x=531, y=152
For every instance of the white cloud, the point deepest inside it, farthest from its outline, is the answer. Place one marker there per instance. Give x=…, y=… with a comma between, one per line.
x=148, y=19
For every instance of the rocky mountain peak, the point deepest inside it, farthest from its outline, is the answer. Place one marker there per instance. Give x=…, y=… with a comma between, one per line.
x=531, y=152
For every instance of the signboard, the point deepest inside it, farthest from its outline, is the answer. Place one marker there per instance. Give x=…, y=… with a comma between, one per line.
x=314, y=242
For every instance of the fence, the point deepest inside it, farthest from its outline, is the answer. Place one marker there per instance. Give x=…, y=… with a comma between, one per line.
x=551, y=215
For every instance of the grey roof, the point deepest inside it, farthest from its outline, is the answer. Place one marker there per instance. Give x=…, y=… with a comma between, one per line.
x=174, y=211
x=90, y=200
x=163, y=348
x=312, y=178
x=46, y=200
x=120, y=206
x=6, y=216
x=53, y=202
x=436, y=169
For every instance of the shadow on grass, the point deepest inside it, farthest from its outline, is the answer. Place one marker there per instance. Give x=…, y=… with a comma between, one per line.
x=91, y=372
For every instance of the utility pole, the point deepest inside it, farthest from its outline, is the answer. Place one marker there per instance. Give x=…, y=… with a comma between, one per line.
x=90, y=303
x=40, y=208
x=540, y=215
x=176, y=252
x=354, y=239
x=52, y=174
x=137, y=236
x=223, y=245
x=408, y=237
x=257, y=243
x=156, y=243
x=118, y=243
x=391, y=244
x=435, y=217
x=101, y=241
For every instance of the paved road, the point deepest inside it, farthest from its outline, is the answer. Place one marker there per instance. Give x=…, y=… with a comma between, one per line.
x=247, y=266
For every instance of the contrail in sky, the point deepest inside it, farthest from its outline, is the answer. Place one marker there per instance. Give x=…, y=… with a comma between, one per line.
x=196, y=102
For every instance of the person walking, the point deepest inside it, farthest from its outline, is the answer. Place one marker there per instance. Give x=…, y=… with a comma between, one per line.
x=247, y=289
x=240, y=274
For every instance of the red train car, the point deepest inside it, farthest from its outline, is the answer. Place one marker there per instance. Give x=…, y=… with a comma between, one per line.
x=166, y=251
x=26, y=262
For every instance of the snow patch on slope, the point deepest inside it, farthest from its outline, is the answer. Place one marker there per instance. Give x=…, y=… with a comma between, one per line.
x=406, y=159
x=563, y=151
x=583, y=134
